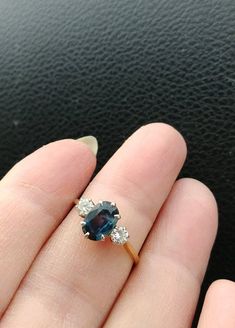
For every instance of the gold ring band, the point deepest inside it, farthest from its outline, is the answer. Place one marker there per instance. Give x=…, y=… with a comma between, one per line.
x=132, y=252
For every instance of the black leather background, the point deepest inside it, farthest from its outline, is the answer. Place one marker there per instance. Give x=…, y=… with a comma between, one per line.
x=77, y=67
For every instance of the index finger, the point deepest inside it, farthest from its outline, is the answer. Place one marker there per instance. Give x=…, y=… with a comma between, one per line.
x=34, y=198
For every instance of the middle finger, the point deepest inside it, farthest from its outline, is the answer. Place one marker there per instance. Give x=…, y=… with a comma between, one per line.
x=76, y=281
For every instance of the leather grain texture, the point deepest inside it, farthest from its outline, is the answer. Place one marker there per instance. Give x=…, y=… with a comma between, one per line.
x=79, y=67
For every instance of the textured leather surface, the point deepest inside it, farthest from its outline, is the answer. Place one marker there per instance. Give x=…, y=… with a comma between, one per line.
x=78, y=67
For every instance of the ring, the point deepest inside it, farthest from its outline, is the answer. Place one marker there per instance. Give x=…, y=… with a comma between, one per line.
x=100, y=221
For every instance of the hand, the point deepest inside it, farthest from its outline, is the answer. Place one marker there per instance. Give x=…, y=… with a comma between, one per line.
x=52, y=277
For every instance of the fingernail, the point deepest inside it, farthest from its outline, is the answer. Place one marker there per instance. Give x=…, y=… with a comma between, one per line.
x=91, y=142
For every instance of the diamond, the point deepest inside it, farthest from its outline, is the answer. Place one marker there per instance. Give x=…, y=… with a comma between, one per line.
x=84, y=206
x=119, y=235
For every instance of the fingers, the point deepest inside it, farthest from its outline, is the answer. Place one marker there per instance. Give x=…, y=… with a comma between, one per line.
x=163, y=289
x=34, y=197
x=219, y=306
x=74, y=282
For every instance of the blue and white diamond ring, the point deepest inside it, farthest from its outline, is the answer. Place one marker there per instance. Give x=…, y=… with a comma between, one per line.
x=100, y=221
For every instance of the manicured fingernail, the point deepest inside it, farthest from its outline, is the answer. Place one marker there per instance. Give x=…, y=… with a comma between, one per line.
x=91, y=142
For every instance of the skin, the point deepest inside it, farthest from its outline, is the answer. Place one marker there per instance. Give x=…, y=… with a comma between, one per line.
x=53, y=277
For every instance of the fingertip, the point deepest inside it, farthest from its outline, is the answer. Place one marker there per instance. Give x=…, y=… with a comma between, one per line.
x=71, y=146
x=219, y=305
x=167, y=135
x=205, y=203
x=91, y=142
x=222, y=288
x=58, y=166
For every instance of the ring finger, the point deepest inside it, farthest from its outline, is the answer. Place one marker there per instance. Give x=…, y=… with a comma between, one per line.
x=75, y=281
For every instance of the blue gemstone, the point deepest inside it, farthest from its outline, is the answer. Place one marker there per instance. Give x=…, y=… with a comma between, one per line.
x=100, y=220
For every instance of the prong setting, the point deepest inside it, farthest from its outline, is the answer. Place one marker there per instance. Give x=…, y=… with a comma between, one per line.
x=84, y=206
x=119, y=235
x=99, y=220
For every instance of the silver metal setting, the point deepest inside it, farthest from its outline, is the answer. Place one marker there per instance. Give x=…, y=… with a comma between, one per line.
x=119, y=235
x=84, y=205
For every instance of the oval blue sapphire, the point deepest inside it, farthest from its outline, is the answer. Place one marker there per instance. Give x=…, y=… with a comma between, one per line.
x=100, y=220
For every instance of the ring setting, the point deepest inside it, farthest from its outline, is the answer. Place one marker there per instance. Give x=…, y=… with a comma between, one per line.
x=99, y=221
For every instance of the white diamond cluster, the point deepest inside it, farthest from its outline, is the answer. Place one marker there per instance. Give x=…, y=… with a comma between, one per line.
x=119, y=235
x=84, y=206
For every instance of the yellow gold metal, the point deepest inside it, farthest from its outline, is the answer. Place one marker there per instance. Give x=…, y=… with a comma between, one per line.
x=132, y=252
